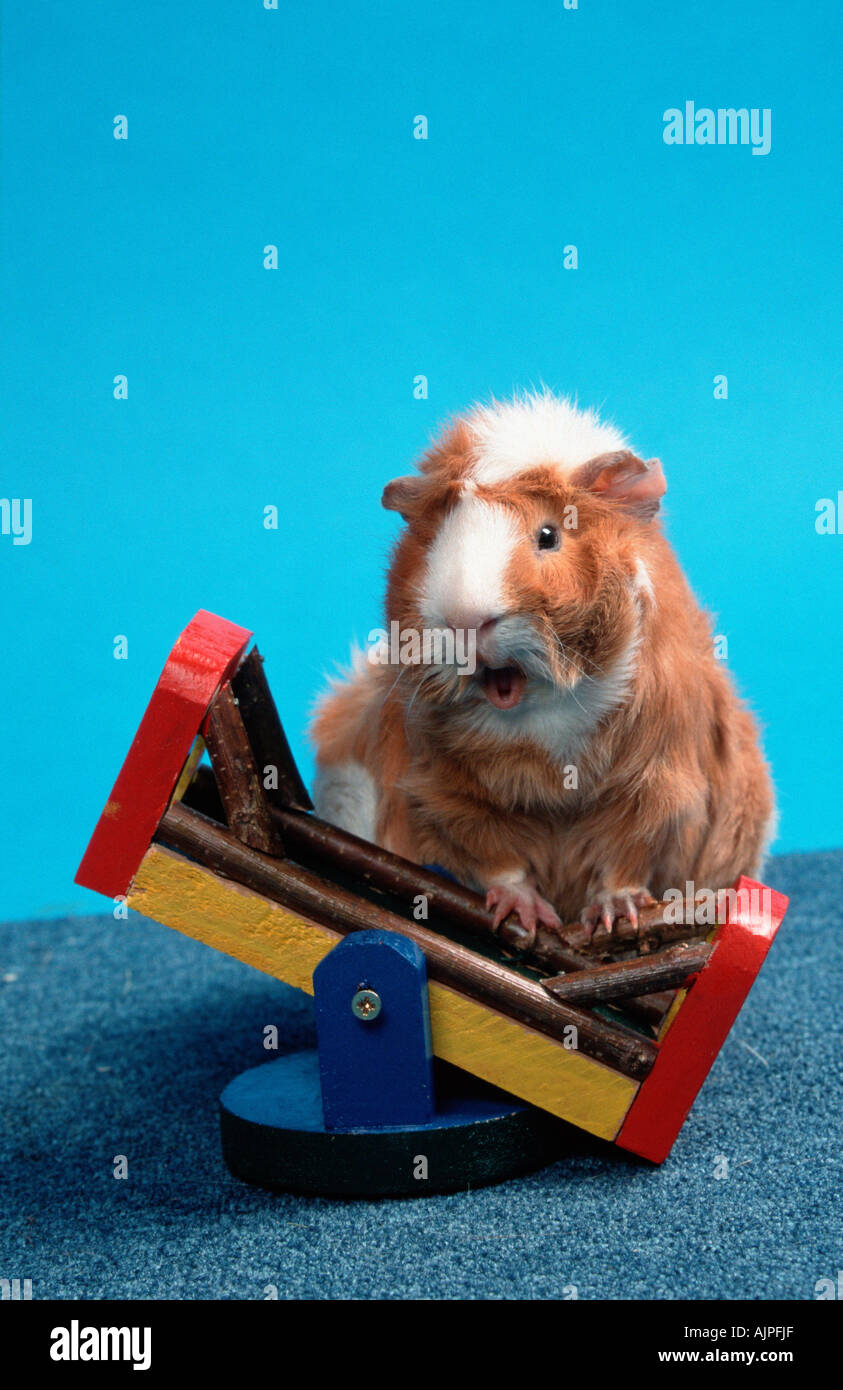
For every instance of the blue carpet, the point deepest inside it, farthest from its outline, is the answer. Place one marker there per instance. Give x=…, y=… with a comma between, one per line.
x=119, y=1036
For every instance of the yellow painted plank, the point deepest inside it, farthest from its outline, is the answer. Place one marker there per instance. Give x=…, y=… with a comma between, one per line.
x=194, y=758
x=235, y=920
x=243, y=924
x=528, y=1064
x=678, y=1001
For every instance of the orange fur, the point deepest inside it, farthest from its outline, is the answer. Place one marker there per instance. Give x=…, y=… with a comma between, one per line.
x=671, y=786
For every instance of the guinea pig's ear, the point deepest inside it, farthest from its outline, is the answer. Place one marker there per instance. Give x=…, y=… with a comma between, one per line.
x=638, y=485
x=402, y=494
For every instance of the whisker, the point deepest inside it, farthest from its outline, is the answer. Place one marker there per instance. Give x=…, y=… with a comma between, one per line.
x=570, y=657
x=402, y=671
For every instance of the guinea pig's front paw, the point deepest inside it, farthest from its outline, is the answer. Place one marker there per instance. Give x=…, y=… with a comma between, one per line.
x=527, y=903
x=608, y=906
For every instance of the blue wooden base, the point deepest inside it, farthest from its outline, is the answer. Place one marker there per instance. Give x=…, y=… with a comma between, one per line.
x=274, y=1135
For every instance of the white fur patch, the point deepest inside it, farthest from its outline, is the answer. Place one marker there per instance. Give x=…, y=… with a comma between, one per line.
x=344, y=794
x=533, y=429
x=643, y=580
x=467, y=564
x=562, y=721
x=511, y=879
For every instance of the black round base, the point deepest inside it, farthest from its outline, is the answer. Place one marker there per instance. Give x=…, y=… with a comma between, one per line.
x=273, y=1135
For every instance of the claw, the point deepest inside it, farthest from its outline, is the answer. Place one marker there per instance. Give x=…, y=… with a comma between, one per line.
x=608, y=906
x=529, y=907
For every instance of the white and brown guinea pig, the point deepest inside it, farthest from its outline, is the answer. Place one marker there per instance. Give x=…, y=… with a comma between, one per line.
x=534, y=524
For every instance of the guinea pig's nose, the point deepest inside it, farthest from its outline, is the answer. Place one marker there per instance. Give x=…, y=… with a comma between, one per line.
x=479, y=623
x=480, y=629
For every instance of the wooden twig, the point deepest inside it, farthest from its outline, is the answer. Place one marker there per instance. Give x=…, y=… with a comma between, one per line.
x=449, y=963
x=317, y=844
x=564, y=948
x=246, y=809
x=390, y=873
x=656, y=927
x=650, y=1008
x=267, y=737
x=625, y=979
x=568, y=948
x=314, y=841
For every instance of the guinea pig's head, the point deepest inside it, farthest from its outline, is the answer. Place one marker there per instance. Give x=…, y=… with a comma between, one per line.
x=525, y=528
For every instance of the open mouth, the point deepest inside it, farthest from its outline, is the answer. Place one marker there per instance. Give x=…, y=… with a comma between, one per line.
x=503, y=686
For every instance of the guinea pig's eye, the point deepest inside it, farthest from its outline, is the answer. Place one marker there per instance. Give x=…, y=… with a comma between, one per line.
x=548, y=537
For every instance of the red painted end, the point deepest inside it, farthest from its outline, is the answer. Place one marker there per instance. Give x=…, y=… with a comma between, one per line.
x=205, y=655
x=702, y=1023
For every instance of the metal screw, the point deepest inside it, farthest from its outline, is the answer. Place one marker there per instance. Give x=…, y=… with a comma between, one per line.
x=366, y=1005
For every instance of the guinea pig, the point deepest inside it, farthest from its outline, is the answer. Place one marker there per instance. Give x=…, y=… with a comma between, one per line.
x=598, y=755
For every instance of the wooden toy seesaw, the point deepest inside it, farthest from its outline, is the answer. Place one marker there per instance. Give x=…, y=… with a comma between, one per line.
x=614, y=1034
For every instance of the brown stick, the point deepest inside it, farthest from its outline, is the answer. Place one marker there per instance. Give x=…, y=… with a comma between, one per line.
x=650, y=1008
x=237, y=777
x=564, y=948
x=568, y=948
x=655, y=928
x=625, y=979
x=266, y=734
x=497, y=985
x=314, y=842
x=393, y=874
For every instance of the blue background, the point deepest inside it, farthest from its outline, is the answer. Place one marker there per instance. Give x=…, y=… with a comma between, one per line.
x=294, y=387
